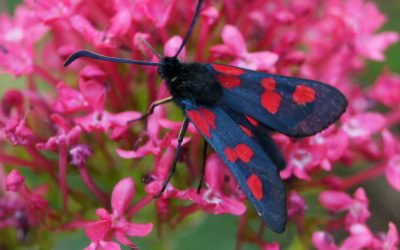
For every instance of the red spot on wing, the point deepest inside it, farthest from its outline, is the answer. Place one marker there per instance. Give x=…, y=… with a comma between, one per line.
x=271, y=101
x=303, y=95
x=246, y=131
x=244, y=152
x=253, y=121
x=241, y=151
x=209, y=116
x=268, y=83
x=228, y=81
x=200, y=122
x=255, y=185
x=230, y=154
x=229, y=70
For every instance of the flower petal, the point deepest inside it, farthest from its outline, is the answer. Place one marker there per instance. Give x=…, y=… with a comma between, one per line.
x=122, y=195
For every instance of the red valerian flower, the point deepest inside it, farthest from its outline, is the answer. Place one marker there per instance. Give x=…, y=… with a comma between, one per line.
x=20, y=207
x=360, y=238
x=356, y=208
x=114, y=225
x=235, y=46
x=213, y=199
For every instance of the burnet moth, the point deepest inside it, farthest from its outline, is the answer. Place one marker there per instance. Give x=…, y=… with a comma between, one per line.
x=236, y=109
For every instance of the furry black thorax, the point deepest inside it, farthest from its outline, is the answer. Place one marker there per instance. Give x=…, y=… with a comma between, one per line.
x=190, y=81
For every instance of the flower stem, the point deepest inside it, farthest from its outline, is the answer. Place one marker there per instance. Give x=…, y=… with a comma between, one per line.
x=363, y=176
x=87, y=179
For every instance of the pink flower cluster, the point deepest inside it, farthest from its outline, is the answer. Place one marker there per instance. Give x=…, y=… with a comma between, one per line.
x=75, y=121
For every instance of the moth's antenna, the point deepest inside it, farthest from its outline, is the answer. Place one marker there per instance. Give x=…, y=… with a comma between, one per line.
x=151, y=48
x=90, y=54
x=192, y=24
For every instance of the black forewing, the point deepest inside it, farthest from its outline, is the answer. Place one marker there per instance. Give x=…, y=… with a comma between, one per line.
x=291, y=118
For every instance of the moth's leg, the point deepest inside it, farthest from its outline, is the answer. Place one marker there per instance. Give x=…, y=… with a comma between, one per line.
x=203, y=168
x=178, y=150
x=152, y=107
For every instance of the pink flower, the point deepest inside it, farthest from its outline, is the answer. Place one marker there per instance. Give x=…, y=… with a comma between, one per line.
x=116, y=124
x=393, y=171
x=14, y=181
x=213, y=200
x=362, y=126
x=386, y=90
x=70, y=100
x=17, y=40
x=20, y=207
x=172, y=46
x=303, y=157
x=356, y=208
x=271, y=246
x=65, y=137
x=235, y=46
x=323, y=241
x=18, y=133
x=360, y=237
x=389, y=241
x=53, y=10
x=296, y=205
x=114, y=224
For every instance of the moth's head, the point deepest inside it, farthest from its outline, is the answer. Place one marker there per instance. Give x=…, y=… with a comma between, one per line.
x=170, y=67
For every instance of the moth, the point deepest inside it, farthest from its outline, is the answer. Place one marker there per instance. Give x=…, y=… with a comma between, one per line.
x=236, y=109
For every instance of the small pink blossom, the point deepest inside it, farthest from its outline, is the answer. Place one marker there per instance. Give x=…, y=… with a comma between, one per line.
x=104, y=121
x=271, y=246
x=303, y=157
x=213, y=200
x=70, y=100
x=356, y=208
x=65, y=137
x=18, y=132
x=393, y=171
x=114, y=224
x=360, y=238
x=362, y=126
x=389, y=241
x=14, y=181
x=172, y=46
x=20, y=207
x=235, y=46
x=386, y=90
x=296, y=205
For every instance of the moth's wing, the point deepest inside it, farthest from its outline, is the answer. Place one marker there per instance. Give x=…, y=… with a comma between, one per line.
x=254, y=170
x=293, y=106
x=261, y=134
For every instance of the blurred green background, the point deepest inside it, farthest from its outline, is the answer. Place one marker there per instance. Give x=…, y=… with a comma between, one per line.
x=219, y=232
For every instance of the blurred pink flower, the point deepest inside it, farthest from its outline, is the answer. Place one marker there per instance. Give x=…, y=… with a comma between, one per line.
x=386, y=90
x=114, y=224
x=360, y=237
x=20, y=207
x=356, y=208
x=213, y=200
x=235, y=46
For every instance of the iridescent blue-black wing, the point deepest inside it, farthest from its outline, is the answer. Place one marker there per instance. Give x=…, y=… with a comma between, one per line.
x=247, y=160
x=292, y=106
x=261, y=134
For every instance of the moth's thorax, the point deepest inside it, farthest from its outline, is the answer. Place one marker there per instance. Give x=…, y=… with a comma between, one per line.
x=192, y=81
